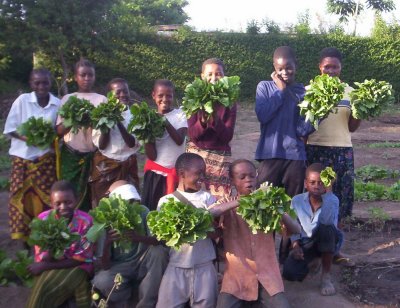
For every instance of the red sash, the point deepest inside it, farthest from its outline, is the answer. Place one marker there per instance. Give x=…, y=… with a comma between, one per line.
x=172, y=177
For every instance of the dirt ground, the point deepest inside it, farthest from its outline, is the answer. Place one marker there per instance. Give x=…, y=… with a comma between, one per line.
x=374, y=282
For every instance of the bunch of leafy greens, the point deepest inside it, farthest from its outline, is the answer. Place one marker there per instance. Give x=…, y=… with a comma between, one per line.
x=38, y=132
x=15, y=271
x=146, y=123
x=106, y=115
x=76, y=113
x=374, y=172
x=263, y=209
x=328, y=176
x=52, y=234
x=116, y=214
x=178, y=223
x=370, y=97
x=202, y=95
x=322, y=96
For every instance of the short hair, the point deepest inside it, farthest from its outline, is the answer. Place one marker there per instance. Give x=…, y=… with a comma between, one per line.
x=163, y=83
x=315, y=167
x=285, y=52
x=63, y=185
x=40, y=71
x=83, y=63
x=238, y=162
x=217, y=61
x=330, y=52
x=114, y=81
x=184, y=160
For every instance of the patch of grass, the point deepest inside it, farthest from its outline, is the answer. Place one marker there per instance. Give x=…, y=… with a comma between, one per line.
x=371, y=191
x=374, y=172
x=5, y=162
x=4, y=183
x=378, y=218
x=382, y=145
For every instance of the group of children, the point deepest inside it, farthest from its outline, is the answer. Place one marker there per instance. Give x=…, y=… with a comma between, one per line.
x=92, y=164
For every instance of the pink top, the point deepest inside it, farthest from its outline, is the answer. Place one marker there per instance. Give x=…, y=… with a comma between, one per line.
x=80, y=251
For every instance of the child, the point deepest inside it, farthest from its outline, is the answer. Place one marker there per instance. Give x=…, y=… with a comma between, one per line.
x=252, y=270
x=33, y=169
x=160, y=176
x=59, y=280
x=317, y=211
x=144, y=264
x=116, y=156
x=210, y=138
x=77, y=150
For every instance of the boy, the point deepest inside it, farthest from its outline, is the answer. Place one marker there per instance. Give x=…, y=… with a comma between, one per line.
x=59, y=280
x=144, y=263
x=317, y=211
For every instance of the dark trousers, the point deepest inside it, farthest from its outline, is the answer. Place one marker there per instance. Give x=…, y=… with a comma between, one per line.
x=324, y=240
x=154, y=186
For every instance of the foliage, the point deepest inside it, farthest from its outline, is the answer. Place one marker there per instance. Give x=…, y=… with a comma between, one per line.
x=38, y=132
x=201, y=95
x=253, y=27
x=302, y=26
x=103, y=302
x=146, y=123
x=369, y=191
x=178, y=223
x=5, y=162
x=4, y=142
x=378, y=218
x=76, y=113
x=106, y=115
x=4, y=183
x=15, y=271
x=373, y=172
x=369, y=98
x=322, y=96
x=263, y=209
x=52, y=235
x=382, y=145
x=328, y=176
x=270, y=26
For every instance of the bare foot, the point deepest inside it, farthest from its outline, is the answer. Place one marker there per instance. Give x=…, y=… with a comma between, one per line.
x=327, y=287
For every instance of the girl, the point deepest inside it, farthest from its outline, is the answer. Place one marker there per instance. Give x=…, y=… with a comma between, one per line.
x=210, y=137
x=116, y=156
x=160, y=175
x=33, y=170
x=74, y=159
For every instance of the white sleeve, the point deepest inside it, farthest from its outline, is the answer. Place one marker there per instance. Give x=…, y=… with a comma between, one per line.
x=14, y=118
x=96, y=133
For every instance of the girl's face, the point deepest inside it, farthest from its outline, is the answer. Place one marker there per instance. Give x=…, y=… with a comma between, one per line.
x=331, y=66
x=286, y=69
x=40, y=84
x=163, y=97
x=85, y=78
x=121, y=91
x=193, y=176
x=64, y=202
x=212, y=72
x=244, y=178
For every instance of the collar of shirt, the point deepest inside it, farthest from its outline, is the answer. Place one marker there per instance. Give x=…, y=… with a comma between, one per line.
x=52, y=100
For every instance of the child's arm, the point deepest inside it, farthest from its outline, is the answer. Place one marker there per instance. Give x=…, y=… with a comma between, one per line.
x=354, y=124
x=293, y=227
x=217, y=209
x=329, y=209
x=129, y=139
x=268, y=102
x=150, y=150
x=38, y=267
x=178, y=135
x=104, y=140
x=224, y=129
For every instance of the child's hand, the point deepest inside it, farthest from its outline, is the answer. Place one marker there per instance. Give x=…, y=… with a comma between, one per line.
x=37, y=268
x=278, y=81
x=112, y=236
x=297, y=251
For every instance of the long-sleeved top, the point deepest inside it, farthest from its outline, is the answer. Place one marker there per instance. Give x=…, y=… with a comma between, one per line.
x=217, y=134
x=280, y=122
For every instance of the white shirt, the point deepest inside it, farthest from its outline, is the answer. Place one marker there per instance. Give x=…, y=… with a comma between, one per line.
x=117, y=148
x=82, y=141
x=24, y=107
x=167, y=150
x=201, y=251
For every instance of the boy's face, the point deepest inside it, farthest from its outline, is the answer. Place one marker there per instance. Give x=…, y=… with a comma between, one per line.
x=313, y=184
x=121, y=91
x=85, y=78
x=193, y=176
x=40, y=84
x=244, y=178
x=212, y=72
x=163, y=97
x=286, y=69
x=64, y=203
x=330, y=66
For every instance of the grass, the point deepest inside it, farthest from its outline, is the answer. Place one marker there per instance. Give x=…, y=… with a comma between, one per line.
x=380, y=145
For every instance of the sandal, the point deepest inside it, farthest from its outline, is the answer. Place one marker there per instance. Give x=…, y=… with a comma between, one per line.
x=343, y=261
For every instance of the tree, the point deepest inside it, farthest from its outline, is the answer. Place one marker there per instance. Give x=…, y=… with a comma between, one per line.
x=270, y=26
x=253, y=27
x=303, y=23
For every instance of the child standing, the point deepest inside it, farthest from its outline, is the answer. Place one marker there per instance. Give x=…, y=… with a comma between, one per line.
x=160, y=176
x=57, y=281
x=33, y=169
x=116, y=156
x=210, y=137
x=77, y=150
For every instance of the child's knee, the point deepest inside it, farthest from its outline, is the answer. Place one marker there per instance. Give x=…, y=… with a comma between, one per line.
x=294, y=270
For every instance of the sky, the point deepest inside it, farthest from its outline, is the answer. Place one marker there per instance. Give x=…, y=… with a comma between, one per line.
x=231, y=15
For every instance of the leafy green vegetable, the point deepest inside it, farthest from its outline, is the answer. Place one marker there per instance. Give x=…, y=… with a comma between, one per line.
x=178, y=223
x=76, y=113
x=328, y=176
x=146, y=124
x=106, y=115
x=370, y=97
x=15, y=271
x=322, y=96
x=38, y=132
x=369, y=191
x=202, y=95
x=373, y=172
x=263, y=209
x=52, y=234
x=117, y=214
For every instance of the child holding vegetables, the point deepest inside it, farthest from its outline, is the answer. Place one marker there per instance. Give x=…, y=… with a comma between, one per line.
x=75, y=157
x=60, y=279
x=116, y=156
x=33, y=168
x=160, y=176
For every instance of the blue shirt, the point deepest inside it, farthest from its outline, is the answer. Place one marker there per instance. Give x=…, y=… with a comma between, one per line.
x=327, y=214
x=280, y=122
